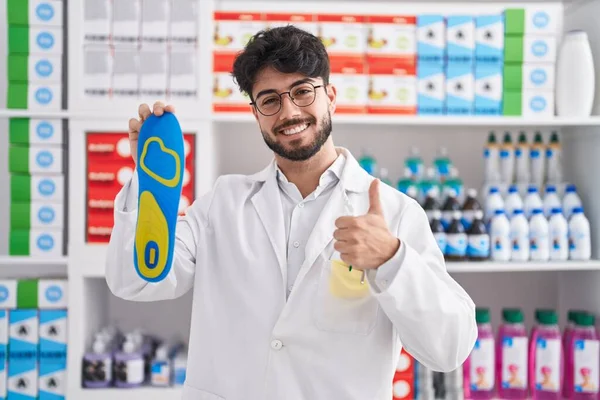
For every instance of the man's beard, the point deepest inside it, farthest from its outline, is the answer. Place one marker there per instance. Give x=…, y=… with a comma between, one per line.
x=305, y=152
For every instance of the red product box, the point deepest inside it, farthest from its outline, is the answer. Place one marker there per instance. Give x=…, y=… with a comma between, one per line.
x=403, y=386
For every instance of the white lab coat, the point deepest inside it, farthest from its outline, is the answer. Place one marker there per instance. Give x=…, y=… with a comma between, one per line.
x=248, y=342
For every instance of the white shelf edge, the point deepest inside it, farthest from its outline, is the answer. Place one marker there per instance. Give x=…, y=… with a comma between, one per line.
x=143, y=393
x=529, y=266
x=6, y=260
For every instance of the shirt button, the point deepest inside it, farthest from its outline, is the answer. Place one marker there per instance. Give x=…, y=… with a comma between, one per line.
x=296, y=244
x=301, y=205
x=276, y=344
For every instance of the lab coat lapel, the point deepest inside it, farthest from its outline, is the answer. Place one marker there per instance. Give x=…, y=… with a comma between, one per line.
x=267, y=202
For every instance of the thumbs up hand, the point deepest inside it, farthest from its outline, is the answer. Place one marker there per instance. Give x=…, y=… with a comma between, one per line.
x=365, y=242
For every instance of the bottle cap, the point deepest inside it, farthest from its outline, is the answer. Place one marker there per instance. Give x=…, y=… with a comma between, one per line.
x=451, y=192
x=550, y=189
x=517, y=211
x=456, y=214
x=128, y=346
x=493, y=189
x=472, y=193
x=585, y=319
x=492, y=137
x=414, y=150
x=478, y=214
x=556, y=210
x=522, y=137
x=513, y=189
x=507, y=137
x=537, y=211
x=98, y=347
x=547, y=317
x=512, y=315
x=433, y=191
x=571, y=188
x=437, y=214
x=162, y=353
x=578, y=210
x=482, y=315
x=572, y=315
x=532, y=189
x=499, y=211
x=412, y=192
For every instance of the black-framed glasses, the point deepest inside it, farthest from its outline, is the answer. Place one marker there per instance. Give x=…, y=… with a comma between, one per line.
x=302, y=95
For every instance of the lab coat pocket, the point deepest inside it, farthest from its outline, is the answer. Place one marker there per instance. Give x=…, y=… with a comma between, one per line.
x=191, y=393
x=344, y=303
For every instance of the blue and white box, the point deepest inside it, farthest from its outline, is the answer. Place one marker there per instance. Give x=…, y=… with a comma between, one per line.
x=431, y=89
x=537, y=103
x=3, y=353
x=431, y=39
x=52, y=294
x=488, y=89
x=539, y=49
x=460, y=89
x=53, y=354
x=23, y=353
x=460, y=36
x=8, y=294
x=489, y=39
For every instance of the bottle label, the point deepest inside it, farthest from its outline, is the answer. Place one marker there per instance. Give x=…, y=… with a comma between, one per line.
x=514, y=362
x=559, y=247
x=586, y=361
x=456, y=244
x=440, y=238
x=482, y=365
x=500, y=246
x=547, y=364
x=478, y=246
x=130, y=371
x=97, y=371
x=520, y=245
x=467, y=218
x=446, y=219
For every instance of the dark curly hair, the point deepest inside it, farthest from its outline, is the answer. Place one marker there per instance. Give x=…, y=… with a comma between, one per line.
x=288, y=49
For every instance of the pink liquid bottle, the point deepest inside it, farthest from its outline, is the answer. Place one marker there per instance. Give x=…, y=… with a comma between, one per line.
x=546, y=360
x=481, y=363
x=512, y=356
x=567, y=335
x=584, y=359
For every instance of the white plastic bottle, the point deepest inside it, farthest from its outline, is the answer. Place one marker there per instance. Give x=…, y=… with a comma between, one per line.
x=559, y=236
x=580, y=247
x=500, y=237
x=532, y=201
x=493, y=202
x=513, y=201
x=571, y=200
x=551, y=200
x=539, y=239
x=519, y=236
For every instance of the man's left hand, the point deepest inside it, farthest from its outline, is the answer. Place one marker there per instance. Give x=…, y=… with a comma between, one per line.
x=365, y=242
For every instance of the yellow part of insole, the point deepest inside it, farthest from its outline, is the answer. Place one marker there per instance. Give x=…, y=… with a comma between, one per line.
x=171, y=182
x=152, y=237
x=347, y=284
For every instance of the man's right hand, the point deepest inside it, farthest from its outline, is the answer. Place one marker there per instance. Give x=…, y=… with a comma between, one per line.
x=135, y=125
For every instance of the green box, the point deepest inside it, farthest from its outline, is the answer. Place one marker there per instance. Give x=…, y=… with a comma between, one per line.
x=18, y=159
x=17, y=96
x=27, y=293
x=513, y=49
x=514, y=21
x=20, y=216
x=513, y=77
x=19, y=243
x=20, y=188
x=18, y=39
x=512, y=104
x=19, y=131
x=18, y=68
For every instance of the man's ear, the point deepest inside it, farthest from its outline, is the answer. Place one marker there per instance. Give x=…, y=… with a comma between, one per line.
x=332, y=94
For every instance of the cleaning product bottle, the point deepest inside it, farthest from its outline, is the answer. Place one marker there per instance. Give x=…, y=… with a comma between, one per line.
x=584, y=359
x=491, y=155
x=384, y=176
x=97, y=366
x=482, y=361
x=470, y=207
x=546, y=358
x=438, y=230
x=453, y=182
x=513, y=201
x=478, y=246
x=368, y=163
x=493, y=202
x=449, y=207
x=129, y=365
x=532, y=201
x=559, y=236
x=571, y=200
x=539, y=236
x=428, y=183
x=554, y=160
x=507, y=160
x=522, y=174
x=580, y=247
x=551, y=200
x=442, y=165
x=431, y=203
x=161, y=370
x=405, y=182
x=512, y=356
x=536, y=156
x=500, y=237
x=567, y=386
x=456, y=239
x=519, y=236
x=413, y=193
x=414, y=163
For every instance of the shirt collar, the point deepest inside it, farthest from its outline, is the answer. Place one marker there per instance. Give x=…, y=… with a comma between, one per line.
x=332, y=174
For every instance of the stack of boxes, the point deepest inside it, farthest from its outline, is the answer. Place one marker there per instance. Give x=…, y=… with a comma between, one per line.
x=489, y=61
x=530, y=57
x=403, y=385
x=33, y=339
x=460, y=58
x=109, y=167
x=35, y=49
x=35, y=158
x=431, y=61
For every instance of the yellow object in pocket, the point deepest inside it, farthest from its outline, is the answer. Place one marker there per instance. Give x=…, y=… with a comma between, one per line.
x=347, y=284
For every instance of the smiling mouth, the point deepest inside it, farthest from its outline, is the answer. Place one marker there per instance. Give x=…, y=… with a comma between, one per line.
x=294, y=130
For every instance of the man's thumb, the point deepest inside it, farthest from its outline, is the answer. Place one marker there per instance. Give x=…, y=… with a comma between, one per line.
x=374, y=202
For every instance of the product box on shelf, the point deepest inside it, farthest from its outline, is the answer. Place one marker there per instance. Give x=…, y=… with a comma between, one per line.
x=34, y=131
x=431, y=39
x=53, y=354
x=350, y=78
x=343, y=34
x=37, y=69
x=226, y=95
x=392, y=36
x=530, y=49
x=489, y=39
x=34, y=96
x=529, y=103
x=183, y=72
x=126, y=71
x=46, y=188
x=36, y=242
x=35, y=40
x=3, y=353
x=305, y=21
x=183, y=25
x=403, y=384
x=43, y=294
x=431, y=89
x=35, y=159
x=153, y=71
x=460, y=89
x=97, y=21
x=488, y=89
x=23, y=353
x=232, y=30
x=392, y=87
x=98, y=66
x=460, y=39
x=533, y=20
x=155, y=21
x=126, y=21
x=36, y=215
x=40, y=13
x=518, y=77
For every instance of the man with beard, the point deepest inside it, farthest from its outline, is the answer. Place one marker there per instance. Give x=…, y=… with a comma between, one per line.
x=309, y=276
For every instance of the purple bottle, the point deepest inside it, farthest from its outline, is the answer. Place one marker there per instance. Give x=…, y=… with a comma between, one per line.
x=511, y=356
x=129, y=365
x=481, y=363
x=584, y=358
x=97, y=366
x=546, y=359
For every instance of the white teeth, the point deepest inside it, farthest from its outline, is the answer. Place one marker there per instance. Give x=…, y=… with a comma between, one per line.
x=295, y=130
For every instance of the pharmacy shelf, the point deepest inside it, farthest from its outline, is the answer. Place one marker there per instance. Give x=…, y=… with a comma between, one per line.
x=31, y=261
x=530, y=266
x=150, y=393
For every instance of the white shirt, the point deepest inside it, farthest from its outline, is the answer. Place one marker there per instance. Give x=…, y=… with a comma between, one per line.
x=301, y=215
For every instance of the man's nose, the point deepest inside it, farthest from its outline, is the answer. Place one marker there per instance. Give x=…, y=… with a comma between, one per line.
x=288, y=108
